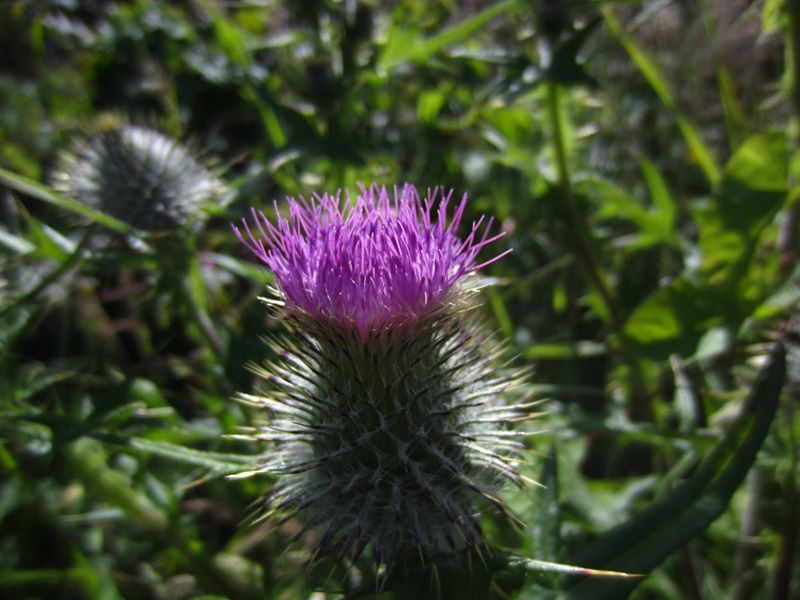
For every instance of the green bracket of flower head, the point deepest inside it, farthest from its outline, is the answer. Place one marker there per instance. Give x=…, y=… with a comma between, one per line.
x=640, y=544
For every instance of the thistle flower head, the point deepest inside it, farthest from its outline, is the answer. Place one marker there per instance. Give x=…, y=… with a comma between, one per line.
x=376, y=264
x=388, y=445
x=139, y=176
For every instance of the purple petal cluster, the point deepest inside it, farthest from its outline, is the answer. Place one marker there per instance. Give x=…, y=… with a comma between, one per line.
x=380, y=262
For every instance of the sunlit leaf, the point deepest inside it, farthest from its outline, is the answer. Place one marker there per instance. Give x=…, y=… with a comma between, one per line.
x=404, y=46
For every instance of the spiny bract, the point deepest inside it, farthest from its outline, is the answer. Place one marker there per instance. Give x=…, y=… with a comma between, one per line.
x=139, y=176
x=387, y=409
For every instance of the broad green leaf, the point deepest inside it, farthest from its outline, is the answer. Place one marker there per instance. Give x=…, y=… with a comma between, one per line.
x=404, y=46
x=429, y=104
x=231, y=40
x=682, y=309
x=752, y=190
x=714, y=342
x=640, y=544
x=49, y=242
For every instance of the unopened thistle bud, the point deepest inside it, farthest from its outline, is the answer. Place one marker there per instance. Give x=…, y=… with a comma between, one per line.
x=387, y=409
x=139, y=176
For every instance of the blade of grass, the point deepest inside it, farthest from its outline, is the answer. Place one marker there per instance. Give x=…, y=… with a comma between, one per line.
x=42, y=192
x=701, y=152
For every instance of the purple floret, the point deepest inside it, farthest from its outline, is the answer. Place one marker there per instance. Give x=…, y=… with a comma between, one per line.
x=382, y=262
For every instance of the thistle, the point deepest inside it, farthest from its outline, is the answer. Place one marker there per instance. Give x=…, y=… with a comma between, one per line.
x=139, y=176
x=386, y=406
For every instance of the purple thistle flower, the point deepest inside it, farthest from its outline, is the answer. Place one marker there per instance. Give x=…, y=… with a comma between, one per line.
x=389, y=445
x=381, y=262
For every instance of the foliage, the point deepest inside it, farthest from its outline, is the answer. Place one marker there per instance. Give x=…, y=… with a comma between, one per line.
x=652, y=284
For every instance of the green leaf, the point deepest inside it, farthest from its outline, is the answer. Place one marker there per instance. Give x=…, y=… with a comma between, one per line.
x=231, y=40
x=752, y=190
x=640, y=544
x=785, y=298
x=544, y=566
x=86, y=460
x=565, y=68
x=41, y=192
x=55, y=577
x=701, y=153
x=545, y=522
x=500, y=312
x=655, y=225
x=218, y=463
x=15, y=243
x=665, y=210
x=682, y=309
x=735, y=121
x=566, y=350
x=613, y=202
x=404, y=46
x=771, y=15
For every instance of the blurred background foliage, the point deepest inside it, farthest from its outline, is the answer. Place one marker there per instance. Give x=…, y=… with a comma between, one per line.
x=641, y=156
